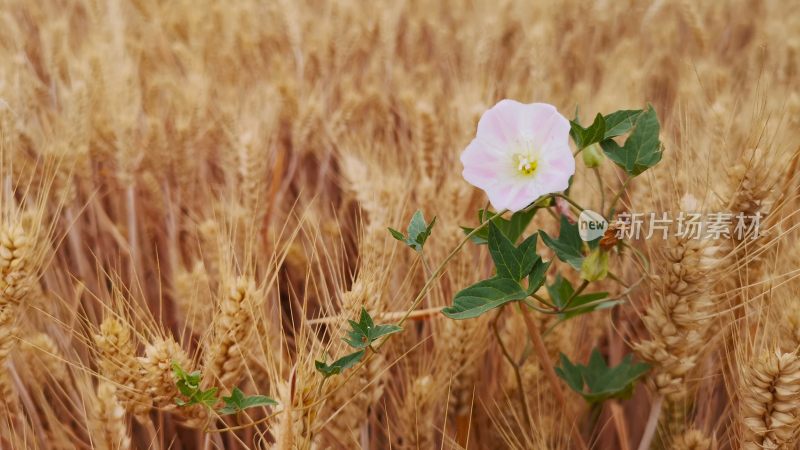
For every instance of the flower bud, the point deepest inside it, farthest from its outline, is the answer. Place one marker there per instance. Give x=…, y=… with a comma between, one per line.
x=595, y=266
x=562, y=206
x=592, y=155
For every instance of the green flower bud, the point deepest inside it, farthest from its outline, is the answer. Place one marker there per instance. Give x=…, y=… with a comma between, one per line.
x=595, y=266
x=592, y=156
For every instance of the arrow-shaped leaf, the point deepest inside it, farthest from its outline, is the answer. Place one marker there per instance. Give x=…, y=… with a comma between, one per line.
x=512, y=228
x=418, y=232
x=238, y=402
x=364, y=332
x=596, y=382
x=568, y=246
x=642, y=149
x=585, y=137
x=560, y=292
x=339, y=365
x=538, y=275
x=484, y=296
x=511, y=262
x=620, y=122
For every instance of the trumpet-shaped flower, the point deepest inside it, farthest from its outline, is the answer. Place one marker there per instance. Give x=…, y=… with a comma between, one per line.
x=520, y=152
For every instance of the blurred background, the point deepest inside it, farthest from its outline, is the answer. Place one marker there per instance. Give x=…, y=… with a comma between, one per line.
x=210, y=183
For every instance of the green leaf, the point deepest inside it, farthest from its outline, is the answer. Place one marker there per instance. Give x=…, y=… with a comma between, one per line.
x=383, y=330
x=178, y=371
x=238, y=402
x=515, y=226
x=569, y=246
x=339, y=365
x=236, y=397
x=538, y=275
x=512, y=228
x=418, y=231
x=575, y=309
x=258, y=400
x=207, y=397
x=642, y=149
x=191, y=379
x=596, y=382
x=620, y=122
x=185, y=389
x=364, y=332
x=481, y=237
x=484, y=296
x=570, y=373
x=397, y=235
x=561, y=290
x=511, y=262
x=585, y=137
x=188, y=385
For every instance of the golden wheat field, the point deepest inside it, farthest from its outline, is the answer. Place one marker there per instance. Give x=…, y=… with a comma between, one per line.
x=196, y=196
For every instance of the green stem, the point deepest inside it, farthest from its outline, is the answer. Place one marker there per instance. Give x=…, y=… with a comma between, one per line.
x=532, y=205
x=440, y=268
x=571, y=202
x=641, y=256
x=617, y=279
x=616, y=198
x=425, y=263
x=542, y=301
x=600, y=186
x=536, y=308
x=590, y=304
x=523, y=398
x=575, y=295
x=551, y=328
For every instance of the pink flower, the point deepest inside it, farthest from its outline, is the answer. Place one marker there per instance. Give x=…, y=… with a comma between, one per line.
x=519, y=153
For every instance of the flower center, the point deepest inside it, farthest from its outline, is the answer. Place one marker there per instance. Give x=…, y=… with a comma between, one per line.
x=526, y=164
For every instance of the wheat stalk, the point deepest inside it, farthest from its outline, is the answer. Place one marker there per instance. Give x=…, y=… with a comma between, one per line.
x=415, y=415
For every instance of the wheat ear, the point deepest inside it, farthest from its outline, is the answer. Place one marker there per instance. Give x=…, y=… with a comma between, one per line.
x=768, y=416
x=118, y=363
x=159, y=379
x=233, y=327
x=109, y=430
x=692, y=440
